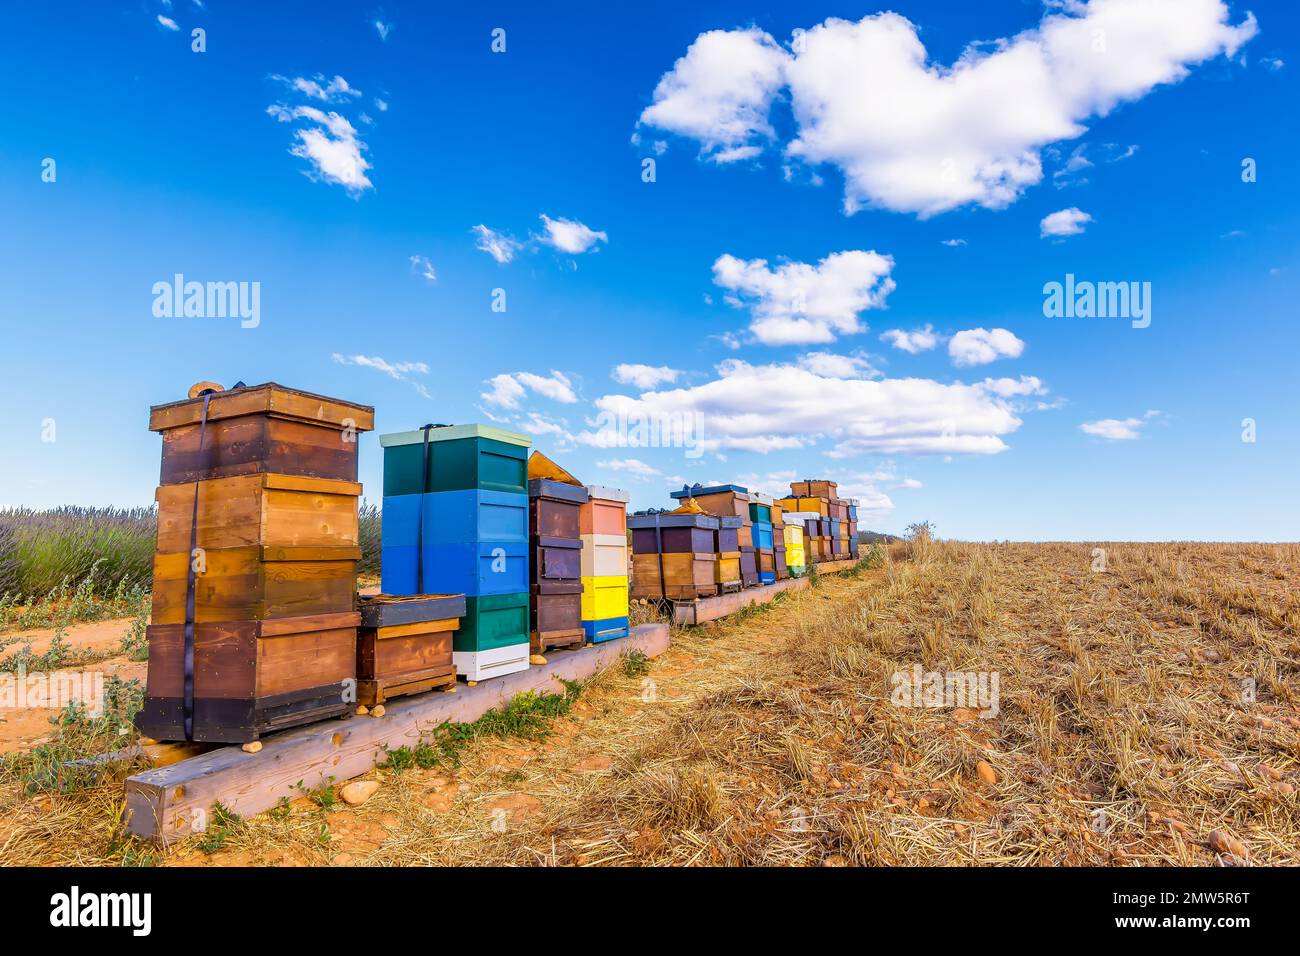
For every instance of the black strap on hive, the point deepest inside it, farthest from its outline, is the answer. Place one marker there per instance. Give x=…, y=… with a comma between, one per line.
x=659, y=548
x=191, y=583
x=419, y=525
x=426, y=466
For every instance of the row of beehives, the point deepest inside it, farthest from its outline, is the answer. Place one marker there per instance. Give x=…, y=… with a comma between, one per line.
x=489, y=557
x=724, y=538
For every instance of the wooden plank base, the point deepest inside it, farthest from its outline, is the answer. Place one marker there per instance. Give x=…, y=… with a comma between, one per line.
x=543, y=641
x=372, y=692
x=174, y=802
x=724, y=605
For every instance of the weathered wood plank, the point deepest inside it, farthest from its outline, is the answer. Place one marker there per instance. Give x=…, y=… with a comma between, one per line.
x=712, y=608
x=169, y=803
x=724, y=605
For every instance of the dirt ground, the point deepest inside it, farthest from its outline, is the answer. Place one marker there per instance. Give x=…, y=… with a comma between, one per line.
x=1148, y=713
x=24, y=728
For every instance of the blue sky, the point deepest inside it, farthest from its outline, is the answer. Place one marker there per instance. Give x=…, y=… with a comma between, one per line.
x=812, y=193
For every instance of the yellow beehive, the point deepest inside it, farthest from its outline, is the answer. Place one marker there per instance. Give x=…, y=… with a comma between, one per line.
x=794, y=552
x=604, y=597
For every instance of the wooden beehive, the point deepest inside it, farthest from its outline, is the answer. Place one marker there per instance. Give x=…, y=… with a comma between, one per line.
x=685, y=576
x=250, y=677
x=260, y=428
x=814, y=488
x=555, y=502
x=255, y=583
x=724, y=501
x=677, y=574
x=605, y=564
x=257, y=519
x=405, y=644
x=748, y=567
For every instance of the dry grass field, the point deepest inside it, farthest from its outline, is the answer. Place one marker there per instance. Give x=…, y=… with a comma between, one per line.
x=1148, y=714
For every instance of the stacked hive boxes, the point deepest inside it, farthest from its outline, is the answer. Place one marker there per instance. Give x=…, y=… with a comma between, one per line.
x=405, y=644
x=853, y=525
x=808, y=526
x=456, y=521
x=794, y=545
x=778, y=541
x=556, y=542
x=254, y=620
x=760, y=515
x=673, y=554
x=728, y=549
x=832, y=533
x=603, y=523
x=729, y=501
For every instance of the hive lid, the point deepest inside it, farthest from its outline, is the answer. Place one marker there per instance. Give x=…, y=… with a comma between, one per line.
x=803, y=516
x=557, y=490
x=601, y=493
x=539, y=466
x=731, y=522
x=389, y=610
x=760, y=499
x=696, y=491
x=453, y=433
x=664, y=520
x=270, y=398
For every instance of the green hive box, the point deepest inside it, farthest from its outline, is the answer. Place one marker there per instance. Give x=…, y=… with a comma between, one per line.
x=461, y=458
x=492, y=621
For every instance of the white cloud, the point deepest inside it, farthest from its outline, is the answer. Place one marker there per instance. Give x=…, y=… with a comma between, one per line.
x=953, y=243
x=632, y=466
x=571, y=236
x=831, y=365
x=381, y=104
x=779, y=406
x=720, y=92
x=396, y=370
x=168, y=23
x=1273, y=63
x=1069, y=172
x=506, y=390
x=536, y=424
x=917, y=340
x=331, y=146
x=1015, y=387
x=909, y=483
x=383, y=29
x=644, y=376
x=796, y=303
x=422, y=267
x=911, y=135
x=1113, y=429
x=1064, y=222
x=981, y=346
x=1119, y=429
x=498, y=245
x=336, y=90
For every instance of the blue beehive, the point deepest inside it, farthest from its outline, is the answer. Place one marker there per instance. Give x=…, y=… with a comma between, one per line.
x=467, y=533
x=475, y=543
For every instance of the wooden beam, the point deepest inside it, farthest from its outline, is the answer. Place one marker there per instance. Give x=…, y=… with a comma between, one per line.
x=703, y=610
x=724, y=605
x=170, y=803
